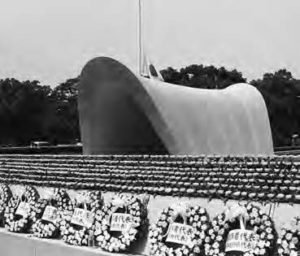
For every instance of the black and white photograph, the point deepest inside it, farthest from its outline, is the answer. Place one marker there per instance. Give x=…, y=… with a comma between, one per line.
x=149, y=128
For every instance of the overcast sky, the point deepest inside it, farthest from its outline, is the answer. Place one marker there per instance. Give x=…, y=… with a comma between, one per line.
x=51, y=40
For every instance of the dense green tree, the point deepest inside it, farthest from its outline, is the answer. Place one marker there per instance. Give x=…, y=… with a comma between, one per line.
x=65, y=124
x=206, y=77
x=29, y=112
x=282, y=96
x=24, y=107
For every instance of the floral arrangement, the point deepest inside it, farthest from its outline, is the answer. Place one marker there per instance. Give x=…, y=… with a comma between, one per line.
x=195, y=217
x=5, y=195
x=259, y=178
x=289, y=241
x=254, y=219
x=120, y=223
x=79, y=229
x=48, y=226
x=21, y=212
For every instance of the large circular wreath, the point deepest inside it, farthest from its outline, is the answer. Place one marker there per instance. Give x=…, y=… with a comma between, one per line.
x=5, y=195
x=257, y=221
x=19, y=223
x=47, y=229
x=289, y=242
x=194, y=216
x=82, y=235
x=116, y=241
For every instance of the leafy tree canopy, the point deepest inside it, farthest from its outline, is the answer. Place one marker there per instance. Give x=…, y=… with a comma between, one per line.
x=30, y=111
x=282, y=96
x=206, y=77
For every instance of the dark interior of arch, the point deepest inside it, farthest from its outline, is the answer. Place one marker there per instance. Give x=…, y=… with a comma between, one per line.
x=111, y=120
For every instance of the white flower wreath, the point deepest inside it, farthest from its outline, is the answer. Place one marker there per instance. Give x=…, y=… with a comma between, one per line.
x=253, y=218
x=5, y=195
x=46, y=228
x=15, y=222
x=122, y=240
x=289, y=241
x=75, y=234
x=194, y=216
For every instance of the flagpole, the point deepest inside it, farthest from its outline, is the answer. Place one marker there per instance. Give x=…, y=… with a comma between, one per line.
x=140, y=36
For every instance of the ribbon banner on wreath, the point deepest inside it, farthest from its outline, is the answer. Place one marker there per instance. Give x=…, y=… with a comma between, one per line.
x=240, y=240
x=23, y=209
x=180, y=234
x=50, y=214
x=83, y=217
x=121, y=222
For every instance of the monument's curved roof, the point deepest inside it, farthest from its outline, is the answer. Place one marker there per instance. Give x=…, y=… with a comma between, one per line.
x=123, y=113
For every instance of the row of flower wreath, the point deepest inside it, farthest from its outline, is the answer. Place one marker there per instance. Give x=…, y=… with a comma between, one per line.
x=26, y=214
x=208, y=238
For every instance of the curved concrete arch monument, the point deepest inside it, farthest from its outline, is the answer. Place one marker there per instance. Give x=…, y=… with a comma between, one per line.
x=121, y=113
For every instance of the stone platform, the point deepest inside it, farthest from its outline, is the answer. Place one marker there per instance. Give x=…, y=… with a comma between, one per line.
x=13, y=244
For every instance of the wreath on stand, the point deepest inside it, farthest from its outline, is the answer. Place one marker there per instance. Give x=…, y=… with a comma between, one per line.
x=187, y=238
x=48, y=226
x=247, y=223
x=120, y=223
x=79, y=229
x=5, y=195
x=289, y=241
x=21, y=212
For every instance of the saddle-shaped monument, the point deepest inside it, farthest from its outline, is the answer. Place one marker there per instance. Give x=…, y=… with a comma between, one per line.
x=122, y=113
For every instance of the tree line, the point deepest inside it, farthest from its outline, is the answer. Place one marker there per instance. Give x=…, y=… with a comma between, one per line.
x=30, y=111
x=33, y=112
